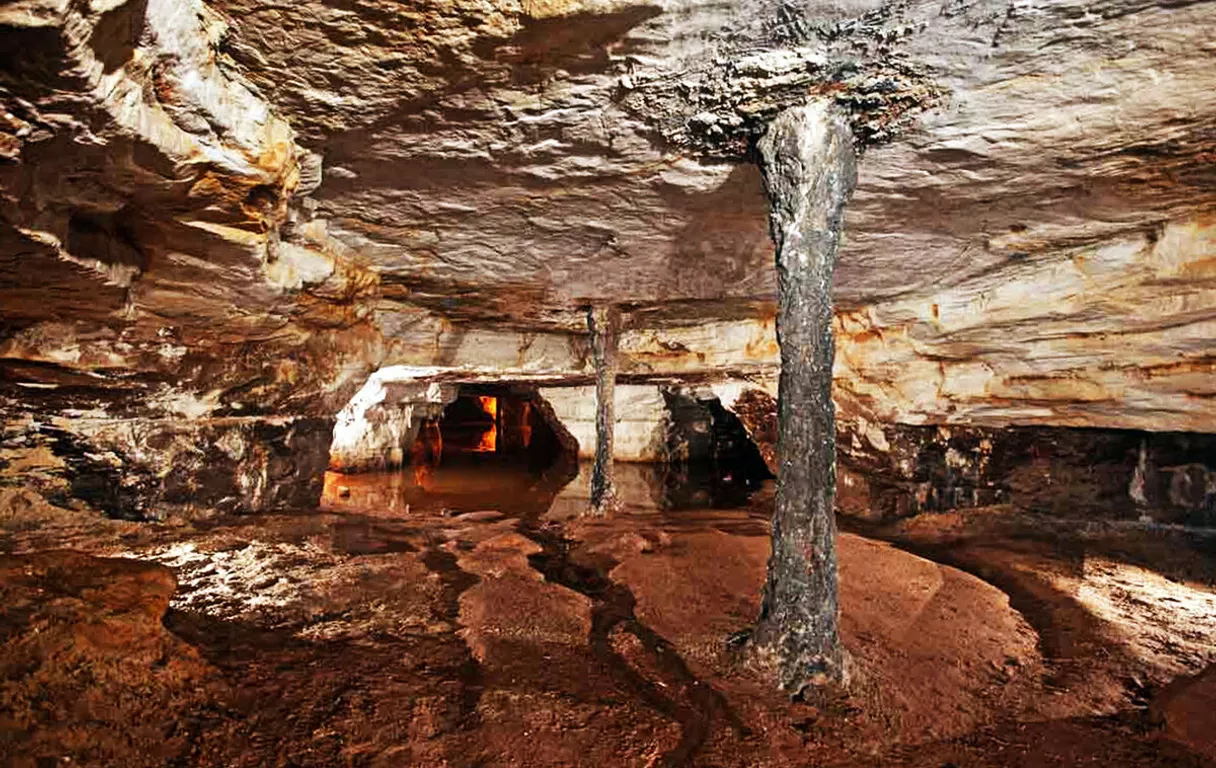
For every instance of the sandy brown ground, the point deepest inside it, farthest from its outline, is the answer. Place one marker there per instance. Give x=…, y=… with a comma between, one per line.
x=442, y=639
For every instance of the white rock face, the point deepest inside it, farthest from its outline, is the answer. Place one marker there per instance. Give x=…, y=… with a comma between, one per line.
x=1118, y=334
x=379, y=424
x=521, y=166
x=641, y=420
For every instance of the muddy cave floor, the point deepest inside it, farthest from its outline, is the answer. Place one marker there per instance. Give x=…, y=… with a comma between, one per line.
x=487, y=625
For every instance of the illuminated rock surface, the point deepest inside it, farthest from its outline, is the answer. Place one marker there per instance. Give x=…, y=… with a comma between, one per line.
x=458, y=633
x=238, y=210
x=242, y=242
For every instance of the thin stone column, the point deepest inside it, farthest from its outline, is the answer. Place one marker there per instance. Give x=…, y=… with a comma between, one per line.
x=809, y=165
x=604, y=324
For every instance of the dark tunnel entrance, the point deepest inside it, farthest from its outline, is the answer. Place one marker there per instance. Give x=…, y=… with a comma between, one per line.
x=494, y=424
x=495, y=447
x=713, y=461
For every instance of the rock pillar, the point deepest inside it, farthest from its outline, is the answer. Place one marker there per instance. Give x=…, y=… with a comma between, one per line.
x=809, y=165
x=604, y=324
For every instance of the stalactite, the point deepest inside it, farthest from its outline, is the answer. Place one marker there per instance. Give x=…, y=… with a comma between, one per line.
x=809, y=165
x=604, y=324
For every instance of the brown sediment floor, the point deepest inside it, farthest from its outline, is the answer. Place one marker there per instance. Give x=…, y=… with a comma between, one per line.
x=471, y=632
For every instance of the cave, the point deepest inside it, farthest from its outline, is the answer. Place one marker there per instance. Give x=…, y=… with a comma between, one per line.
x=615, y=383
x=491, y=446
x=711, y=460
x=492, y=423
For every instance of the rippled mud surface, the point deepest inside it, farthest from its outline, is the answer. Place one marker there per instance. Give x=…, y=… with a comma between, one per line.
x=478, y=618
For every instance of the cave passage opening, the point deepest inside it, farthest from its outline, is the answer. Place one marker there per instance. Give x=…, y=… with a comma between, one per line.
x=492, y=424
x=491, y=447
x=713, y=463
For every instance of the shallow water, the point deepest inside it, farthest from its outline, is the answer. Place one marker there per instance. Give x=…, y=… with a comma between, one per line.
x=562, y=491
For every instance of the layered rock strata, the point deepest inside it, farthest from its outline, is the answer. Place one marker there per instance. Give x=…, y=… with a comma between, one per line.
x=221, y=218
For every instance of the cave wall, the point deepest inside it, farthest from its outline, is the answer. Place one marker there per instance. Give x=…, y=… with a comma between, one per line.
x=1117, y=334
x=888, y=470
x=891, y=471
x=641, y=420
x=220, y=218
x=376, y=429
x=143, y=469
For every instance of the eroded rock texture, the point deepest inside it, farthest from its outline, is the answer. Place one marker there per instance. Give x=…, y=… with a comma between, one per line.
x=897, y=471
x=220, y=217
x=90, y=671
x=810, y=168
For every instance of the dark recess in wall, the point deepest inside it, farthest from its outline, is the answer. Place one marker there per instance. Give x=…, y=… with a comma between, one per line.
x=1053, y=470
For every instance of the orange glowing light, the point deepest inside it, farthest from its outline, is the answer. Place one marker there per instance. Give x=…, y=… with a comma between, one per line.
x=489, y=439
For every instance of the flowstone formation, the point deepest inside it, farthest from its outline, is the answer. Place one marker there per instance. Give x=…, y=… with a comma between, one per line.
x=809, y=164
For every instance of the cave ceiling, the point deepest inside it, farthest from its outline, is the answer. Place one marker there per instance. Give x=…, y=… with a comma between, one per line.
x=223, y=191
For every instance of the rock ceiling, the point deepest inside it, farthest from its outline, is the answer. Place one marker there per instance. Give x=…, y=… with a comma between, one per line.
x=250, y=204
x=468, y=152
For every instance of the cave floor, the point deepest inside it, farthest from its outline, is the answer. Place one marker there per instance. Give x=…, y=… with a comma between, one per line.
x=497, y=632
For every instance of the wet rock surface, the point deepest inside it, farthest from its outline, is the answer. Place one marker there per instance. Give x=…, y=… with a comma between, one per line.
x=472, y=637
x=89, y=673
x=224, y=220
x=1185, y=707
x=1132, y=599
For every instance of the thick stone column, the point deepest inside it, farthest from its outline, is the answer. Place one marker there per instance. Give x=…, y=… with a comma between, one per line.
x=604, y=324
x=809, y=165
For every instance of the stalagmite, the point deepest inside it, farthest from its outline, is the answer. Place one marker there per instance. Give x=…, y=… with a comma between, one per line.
x=809, y=165
x=604, y=323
